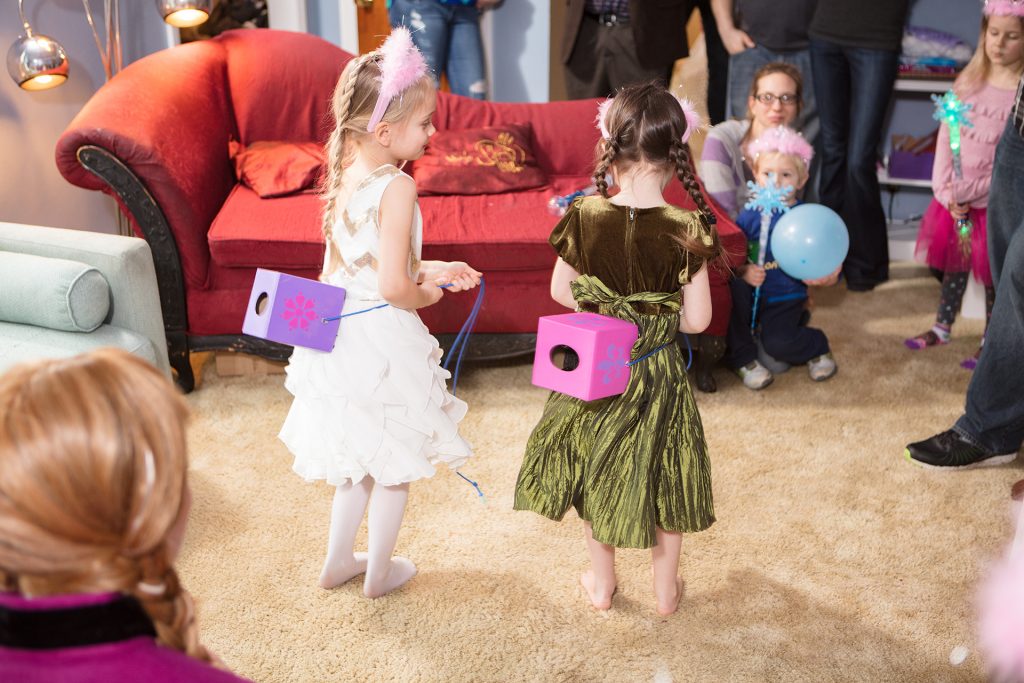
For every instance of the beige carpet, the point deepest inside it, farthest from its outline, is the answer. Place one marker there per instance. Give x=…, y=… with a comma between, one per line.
x=833, y=558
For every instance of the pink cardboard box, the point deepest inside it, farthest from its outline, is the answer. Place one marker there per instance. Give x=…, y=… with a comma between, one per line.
x=603, y=345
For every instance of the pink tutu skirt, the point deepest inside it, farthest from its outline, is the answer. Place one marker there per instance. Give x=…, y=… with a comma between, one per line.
x=938, y=246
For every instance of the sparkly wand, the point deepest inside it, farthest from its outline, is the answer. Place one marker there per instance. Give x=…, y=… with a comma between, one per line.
x=766, y=199
x=951, y=111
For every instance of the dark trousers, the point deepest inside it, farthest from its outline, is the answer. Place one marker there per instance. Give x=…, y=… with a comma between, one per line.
x=784, y=332
x=994, y=414
x=853, y=88
x=718, y=64
x=604, y=60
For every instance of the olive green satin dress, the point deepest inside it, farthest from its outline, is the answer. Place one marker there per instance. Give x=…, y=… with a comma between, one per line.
x=631, y=462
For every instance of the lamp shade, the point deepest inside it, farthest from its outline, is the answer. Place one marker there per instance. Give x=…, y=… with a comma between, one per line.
x=184, y=13
x=37, y=62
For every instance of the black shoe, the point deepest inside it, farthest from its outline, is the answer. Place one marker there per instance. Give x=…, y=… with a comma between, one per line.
x=949, y=450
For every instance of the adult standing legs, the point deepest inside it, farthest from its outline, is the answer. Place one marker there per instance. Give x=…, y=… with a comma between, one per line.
x=465, y=66
x=994, y=414
x=872, y=74
x=831, y=76
x=992, y=427
x=718, y=64
x=427, y=21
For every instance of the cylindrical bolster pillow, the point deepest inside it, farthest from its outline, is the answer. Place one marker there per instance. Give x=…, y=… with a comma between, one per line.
x=50, y=292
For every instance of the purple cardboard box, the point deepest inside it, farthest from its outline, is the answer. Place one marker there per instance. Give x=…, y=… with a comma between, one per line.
x=291, y=310
x=904, y=164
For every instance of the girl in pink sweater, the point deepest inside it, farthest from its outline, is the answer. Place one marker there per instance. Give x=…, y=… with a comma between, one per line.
x=988, y=83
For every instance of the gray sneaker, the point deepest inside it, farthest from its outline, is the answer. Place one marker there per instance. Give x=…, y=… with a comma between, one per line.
x=755, y=376
x=822, y=367
x=775, y=366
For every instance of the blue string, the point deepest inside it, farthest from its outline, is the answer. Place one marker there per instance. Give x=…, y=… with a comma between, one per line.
x=479, y=491
x=459, y=346
x=462, y=338
x=689, y=353
x=364, y=310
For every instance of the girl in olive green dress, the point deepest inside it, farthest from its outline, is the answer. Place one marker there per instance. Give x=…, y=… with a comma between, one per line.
x=635, y=465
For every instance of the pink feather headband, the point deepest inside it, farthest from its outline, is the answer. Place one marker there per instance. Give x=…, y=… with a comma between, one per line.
x=1003, y=8
x=784, y=141
x=401, y=65
x=693, y=120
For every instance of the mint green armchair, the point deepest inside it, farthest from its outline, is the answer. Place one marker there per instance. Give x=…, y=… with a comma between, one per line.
x=133, y=322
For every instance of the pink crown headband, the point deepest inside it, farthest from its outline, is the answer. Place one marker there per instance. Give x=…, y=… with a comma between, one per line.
x=1003, y=8
x=784, y=141
x=401, y=65
x=693, y=120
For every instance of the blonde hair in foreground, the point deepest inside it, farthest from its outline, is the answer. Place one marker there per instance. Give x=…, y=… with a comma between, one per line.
x=352, y=104
x=92, y=479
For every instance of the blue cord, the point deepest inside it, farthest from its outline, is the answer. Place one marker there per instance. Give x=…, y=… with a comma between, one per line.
x=689, y=353
x=459, y=345
x=364, y=310
x=462, y=338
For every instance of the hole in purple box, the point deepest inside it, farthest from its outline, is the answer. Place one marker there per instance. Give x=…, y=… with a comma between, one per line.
x=262, y=301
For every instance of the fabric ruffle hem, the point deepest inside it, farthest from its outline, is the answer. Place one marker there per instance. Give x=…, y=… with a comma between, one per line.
x=376, y=405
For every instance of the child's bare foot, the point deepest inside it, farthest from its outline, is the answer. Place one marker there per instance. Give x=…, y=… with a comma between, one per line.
x=334, y=576
x=399, y=572
x=600, y=596
x=668, y=605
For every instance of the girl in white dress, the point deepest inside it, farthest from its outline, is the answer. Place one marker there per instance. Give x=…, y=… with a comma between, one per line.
x=374, y=414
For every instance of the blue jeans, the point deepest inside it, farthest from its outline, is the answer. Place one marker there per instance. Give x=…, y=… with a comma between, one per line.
x=743, y=66
x=994, y=414
x=449, y=38
x=852, y=87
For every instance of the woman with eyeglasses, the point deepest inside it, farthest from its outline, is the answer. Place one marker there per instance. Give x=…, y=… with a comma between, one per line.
x=776, y=98
x=776, y=95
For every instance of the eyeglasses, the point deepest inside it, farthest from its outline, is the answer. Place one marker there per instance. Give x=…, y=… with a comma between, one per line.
x=787, y=99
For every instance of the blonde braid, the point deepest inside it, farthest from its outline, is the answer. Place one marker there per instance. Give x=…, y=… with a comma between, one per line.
x=336, y=159
x=170, y=607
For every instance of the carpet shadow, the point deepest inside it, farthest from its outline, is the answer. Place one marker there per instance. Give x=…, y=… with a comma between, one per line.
x=793, y=636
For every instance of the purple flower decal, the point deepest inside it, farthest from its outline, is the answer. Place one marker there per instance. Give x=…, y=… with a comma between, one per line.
x=299, y=312
x=612, y=367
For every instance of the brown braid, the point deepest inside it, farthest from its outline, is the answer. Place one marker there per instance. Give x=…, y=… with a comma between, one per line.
x=608, y=150
x=679, y=155
x=171, y=609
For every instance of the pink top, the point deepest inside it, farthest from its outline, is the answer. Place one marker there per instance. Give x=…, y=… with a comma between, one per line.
x=977, y=149
x=130, y=655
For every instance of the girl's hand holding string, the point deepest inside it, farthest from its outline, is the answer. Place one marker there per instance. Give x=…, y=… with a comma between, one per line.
x=459, y=275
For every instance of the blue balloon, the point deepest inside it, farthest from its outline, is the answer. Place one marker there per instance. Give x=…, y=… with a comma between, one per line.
x=810, y=241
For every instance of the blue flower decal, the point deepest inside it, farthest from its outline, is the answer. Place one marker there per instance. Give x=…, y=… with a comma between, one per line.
x=614, y=364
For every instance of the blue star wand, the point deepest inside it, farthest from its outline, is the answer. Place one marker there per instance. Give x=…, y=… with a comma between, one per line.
x=766, y=199
x=950, y=110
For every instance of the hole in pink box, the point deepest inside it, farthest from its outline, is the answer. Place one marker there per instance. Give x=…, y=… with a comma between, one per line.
x=261, y=303
x=564, y=358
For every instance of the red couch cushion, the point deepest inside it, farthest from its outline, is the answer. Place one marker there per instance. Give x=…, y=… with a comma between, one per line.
x=491, y=232
x=277, y=233
x=474, y=161
x=277, y=168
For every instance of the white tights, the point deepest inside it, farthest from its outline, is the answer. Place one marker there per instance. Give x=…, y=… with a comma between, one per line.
x=384, y=573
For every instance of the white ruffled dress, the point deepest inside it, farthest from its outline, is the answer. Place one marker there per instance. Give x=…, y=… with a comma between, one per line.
x=377, y=404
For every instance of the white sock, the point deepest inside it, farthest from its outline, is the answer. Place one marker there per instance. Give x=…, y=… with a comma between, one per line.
x=385, y=573
x=347, y=512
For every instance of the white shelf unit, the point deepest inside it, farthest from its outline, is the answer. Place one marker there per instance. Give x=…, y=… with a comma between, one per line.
x=935, y=85
x=903, y=233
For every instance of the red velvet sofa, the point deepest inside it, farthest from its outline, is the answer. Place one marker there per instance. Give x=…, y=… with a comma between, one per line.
x=156, y=138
